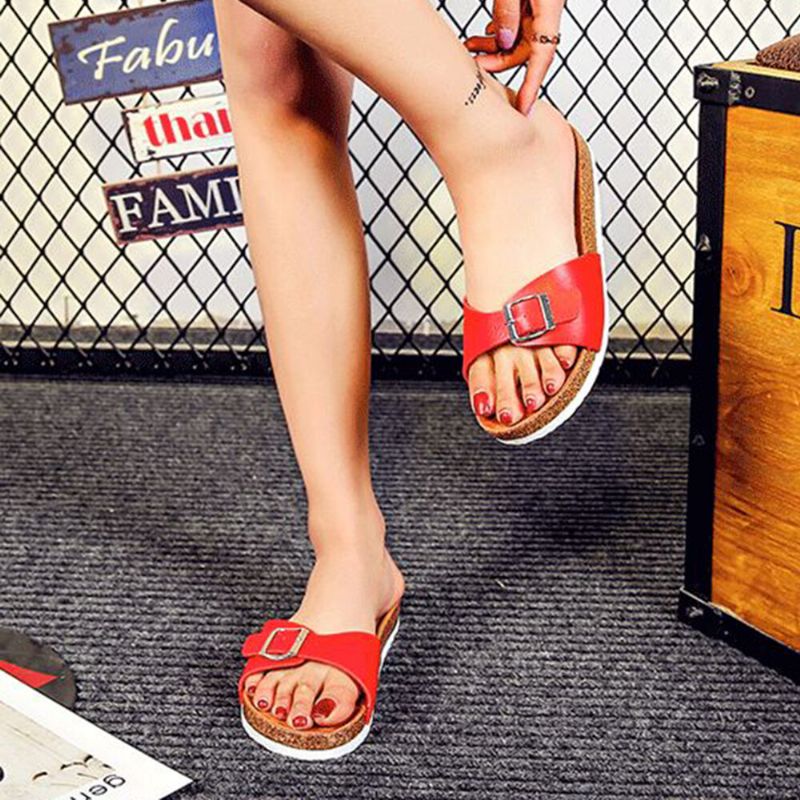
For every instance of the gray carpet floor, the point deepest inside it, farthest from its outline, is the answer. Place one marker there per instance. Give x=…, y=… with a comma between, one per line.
x=147, y=527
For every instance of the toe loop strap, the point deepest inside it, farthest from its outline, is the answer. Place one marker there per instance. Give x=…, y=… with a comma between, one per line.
x=564, y=306
x=282, y=644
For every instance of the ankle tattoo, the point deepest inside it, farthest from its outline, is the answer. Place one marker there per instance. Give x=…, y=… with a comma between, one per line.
x=480, y=85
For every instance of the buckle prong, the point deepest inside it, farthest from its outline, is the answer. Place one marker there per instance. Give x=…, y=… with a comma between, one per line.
x=301, y=634
x=511, y=321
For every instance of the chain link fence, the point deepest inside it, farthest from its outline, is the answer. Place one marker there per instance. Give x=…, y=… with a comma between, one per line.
x=72, y=299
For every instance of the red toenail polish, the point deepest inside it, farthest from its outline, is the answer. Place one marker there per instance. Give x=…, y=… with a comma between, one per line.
x=263, y=705
x=505, y=417
x=565, y=363
x=551, y=387
x=251, y=690
x=481, y=401
x=323, y=708
x=531, y=404
x=300, y=722
x=281, y=713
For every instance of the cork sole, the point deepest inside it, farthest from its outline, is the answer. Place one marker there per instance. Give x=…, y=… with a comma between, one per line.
x=583, y=375
x=320, y=743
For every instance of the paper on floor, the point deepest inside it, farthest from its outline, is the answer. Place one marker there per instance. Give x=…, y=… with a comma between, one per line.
x=49, y=753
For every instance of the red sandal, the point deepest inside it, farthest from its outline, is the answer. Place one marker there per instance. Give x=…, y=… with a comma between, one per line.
x=568, y=305
x=282, y=644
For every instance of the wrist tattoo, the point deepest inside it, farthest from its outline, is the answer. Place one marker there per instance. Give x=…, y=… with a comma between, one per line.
x=480, y=85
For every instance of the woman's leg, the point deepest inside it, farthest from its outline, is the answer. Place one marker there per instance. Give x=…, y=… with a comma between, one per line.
x=290, y=108
x=511, y=177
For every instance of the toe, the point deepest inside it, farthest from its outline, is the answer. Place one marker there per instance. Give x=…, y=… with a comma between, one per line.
x=336, y=701
x=308, y=685
x=251, y=683
x=509, y=407
x=552, y=374
x=566, y=355
x=530, y=384
x=283, y=698
x=264, y=691
x=481, y=386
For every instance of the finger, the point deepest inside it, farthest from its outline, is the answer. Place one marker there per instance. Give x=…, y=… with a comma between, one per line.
x=545, y=19
x=538, y=65
x=497, y=62
x=506, y=17
x=485, y=44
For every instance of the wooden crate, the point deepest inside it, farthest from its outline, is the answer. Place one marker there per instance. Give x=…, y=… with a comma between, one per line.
x=742, y=579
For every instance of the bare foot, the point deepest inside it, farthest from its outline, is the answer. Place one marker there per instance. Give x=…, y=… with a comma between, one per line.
x=516, y=218
x=351, y=586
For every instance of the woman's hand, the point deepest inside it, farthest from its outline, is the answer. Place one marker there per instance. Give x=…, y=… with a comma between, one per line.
x=520, y=31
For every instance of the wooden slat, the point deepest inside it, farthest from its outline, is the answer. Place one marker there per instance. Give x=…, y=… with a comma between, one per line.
x=757, y=69
x=756, y=551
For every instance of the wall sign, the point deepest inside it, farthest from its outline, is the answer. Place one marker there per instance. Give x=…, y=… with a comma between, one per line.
x=181, y=202
x=195, y=125
x=137, y=50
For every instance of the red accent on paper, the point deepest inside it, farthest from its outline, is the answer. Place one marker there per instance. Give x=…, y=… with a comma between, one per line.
x=28, y=676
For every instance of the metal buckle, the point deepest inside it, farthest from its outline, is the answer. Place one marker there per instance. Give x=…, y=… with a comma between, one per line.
x=291, y=652
x=547, y=315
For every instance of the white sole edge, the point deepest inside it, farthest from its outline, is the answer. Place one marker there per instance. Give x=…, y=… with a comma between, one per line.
x=320, y=755
x=591, y=378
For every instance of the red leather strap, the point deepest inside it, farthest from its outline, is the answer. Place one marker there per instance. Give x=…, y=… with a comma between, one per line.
x=282, y=644
x=567, y=306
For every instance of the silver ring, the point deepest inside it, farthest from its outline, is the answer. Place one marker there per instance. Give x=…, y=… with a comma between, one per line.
x=543, y=38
